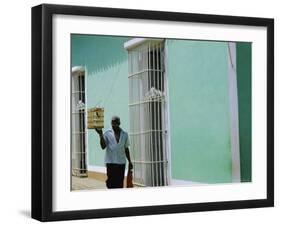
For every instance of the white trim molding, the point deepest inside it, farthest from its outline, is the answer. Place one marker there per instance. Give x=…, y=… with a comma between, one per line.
x=76, y=70
x=175, y=182
x=134, y=42
x=234, y=120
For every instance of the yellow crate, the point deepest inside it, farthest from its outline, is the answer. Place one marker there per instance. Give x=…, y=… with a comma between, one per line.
x=95, y=118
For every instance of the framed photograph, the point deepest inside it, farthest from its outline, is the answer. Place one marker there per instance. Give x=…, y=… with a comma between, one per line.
x=140, y=112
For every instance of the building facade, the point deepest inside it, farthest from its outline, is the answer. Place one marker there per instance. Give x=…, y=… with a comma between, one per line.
x=185, y=103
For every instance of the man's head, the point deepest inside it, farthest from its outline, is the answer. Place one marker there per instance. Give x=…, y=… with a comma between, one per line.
x=115, y=123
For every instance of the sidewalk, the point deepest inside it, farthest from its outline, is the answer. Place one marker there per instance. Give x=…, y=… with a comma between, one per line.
x=87, y=183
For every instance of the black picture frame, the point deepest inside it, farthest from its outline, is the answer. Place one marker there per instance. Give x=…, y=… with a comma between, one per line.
x=42, y=106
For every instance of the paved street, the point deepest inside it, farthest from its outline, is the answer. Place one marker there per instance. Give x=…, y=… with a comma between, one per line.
x=86, y=183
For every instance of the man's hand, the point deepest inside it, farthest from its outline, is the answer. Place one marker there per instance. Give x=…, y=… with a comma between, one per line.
x=127, y=153
x=130, y=165
x=102, y=141
x=99, y=131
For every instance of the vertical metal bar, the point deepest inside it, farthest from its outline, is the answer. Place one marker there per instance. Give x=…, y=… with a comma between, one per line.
x=79, y=134
x=82, y=122
x=159, y=117
x=164, y=140
x=72, y=126
x=133, y=100
x=150, y=118
x=133, y=109
x=133, y=62
x=156, y=116
x=138, y=79
x=148, y=115
x=79, y=123
x=130, y=107
x=136, y=83
x=83, y=125
x=76, y=125
x=161, y=66
x=162, y=112
x=154, y=121
x=141, y=85
x=77, y=128
x=165, y=121
x=165, y=113
x=134, y=92
x=143, y=110
x=148, y=173
x=160, y=79
x=139, y=108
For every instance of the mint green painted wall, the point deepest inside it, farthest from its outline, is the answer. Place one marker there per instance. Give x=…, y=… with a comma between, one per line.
x=199, y=111
x=244, y=62
x=107, y=82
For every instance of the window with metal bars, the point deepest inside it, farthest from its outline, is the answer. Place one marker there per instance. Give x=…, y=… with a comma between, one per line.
x=147, y=108
x=79, y=167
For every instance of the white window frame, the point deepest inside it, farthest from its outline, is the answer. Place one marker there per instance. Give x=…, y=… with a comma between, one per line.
x=234, y=114
x=130, y=46
x=76, y=171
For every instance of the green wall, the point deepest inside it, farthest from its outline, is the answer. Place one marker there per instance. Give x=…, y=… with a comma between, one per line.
x=106, y=63
x=244, y=62
x=199, y=111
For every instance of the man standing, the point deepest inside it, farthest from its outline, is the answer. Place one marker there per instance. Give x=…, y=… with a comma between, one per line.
x=116, y=142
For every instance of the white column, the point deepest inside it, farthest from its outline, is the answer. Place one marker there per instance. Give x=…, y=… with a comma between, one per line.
x=234, y=120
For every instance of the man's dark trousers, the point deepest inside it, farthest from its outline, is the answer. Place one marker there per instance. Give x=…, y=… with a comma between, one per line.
x=115, y=175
